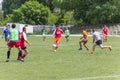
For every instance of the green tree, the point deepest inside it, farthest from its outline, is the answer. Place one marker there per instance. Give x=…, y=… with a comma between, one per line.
x=31, y=13
x=8, y=6
x=1, y=15
x=92, y=11
x=48, y=3
x=116, y=8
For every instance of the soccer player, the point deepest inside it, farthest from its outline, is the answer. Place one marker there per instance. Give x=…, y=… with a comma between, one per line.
x=44, y=32
x=105, y=33
x=23, y=39
x=83, y=39
x=97, y=41
x=13, y=41
x=57, y=36
x=67, y=34
x=6, y=33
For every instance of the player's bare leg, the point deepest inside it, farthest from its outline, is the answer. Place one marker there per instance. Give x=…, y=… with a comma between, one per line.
x=103, y=47
x=85, y=45
x=93, y=48
x=80, y=44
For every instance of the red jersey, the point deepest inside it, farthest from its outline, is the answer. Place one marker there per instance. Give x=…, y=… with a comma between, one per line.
x=105, y=30
x=22, y=39
x=58, y=33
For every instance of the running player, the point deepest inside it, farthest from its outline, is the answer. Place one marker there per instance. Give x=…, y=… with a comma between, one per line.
x=57, y=36
x=23, y=39
x=83, y=39
x=97, y=41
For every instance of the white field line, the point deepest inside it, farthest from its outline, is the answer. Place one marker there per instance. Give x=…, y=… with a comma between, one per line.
x=97, y=77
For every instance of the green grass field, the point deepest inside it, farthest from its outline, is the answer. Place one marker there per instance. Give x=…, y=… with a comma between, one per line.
x=67, y=63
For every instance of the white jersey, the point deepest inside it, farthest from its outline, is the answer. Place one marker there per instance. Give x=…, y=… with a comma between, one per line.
x=24, y=35
x=96, y=35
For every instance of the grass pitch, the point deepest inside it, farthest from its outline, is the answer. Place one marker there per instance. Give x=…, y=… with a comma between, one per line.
x=42, y=63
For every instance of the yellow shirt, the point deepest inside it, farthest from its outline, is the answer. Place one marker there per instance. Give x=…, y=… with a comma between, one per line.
x=85, y=35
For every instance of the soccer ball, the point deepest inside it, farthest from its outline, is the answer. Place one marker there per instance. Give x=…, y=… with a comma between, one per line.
x=54, y=45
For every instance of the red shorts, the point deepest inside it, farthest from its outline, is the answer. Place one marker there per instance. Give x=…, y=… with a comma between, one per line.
x=105, y=33
x=22, y=45
x=14, y=43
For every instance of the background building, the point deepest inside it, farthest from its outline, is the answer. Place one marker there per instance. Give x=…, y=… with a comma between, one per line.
x=1, y=4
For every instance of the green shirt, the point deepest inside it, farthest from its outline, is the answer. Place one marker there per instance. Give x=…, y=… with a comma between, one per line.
x=67, y=32
x=43, y=31
x=14, y=35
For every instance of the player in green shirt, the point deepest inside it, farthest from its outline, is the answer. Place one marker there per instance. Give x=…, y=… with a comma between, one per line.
x=13, y=41
x=44, y=32
x=67, y=34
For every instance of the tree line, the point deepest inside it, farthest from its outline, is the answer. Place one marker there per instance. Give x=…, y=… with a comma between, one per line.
x=61, y=11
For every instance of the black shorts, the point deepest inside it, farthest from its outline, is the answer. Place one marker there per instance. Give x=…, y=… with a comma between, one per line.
x=24, y=48
x=66, y=36
x=98, y=42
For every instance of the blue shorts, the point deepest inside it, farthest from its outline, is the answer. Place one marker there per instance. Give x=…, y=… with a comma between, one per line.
x=98, y=42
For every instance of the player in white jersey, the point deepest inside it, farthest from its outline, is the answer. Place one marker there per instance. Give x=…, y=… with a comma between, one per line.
x=97, y=41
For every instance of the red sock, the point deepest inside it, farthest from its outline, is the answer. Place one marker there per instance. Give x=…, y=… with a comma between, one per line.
x=24, y=55
x=56, y=47
x=18, y=55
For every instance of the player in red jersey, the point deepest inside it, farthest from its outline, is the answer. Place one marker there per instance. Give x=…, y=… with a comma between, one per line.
x=23, y=39
x=57, y=36
x=105, y=33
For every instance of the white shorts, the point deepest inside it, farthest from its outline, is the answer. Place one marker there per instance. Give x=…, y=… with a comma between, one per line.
x=43, y=34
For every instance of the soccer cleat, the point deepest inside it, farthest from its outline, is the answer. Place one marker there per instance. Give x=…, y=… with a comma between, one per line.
x=54, y=50
x=7, y=60
x=91, y=52
x=87, y=49
x=18, y=59
x=80, y=49
x=22, y=60
x=110, y=48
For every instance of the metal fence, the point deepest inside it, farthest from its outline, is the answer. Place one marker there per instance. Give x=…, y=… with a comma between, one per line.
x=113, y=29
